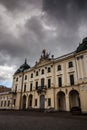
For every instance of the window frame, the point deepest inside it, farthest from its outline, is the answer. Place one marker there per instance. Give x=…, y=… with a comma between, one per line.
x=60, y=81
x=49, y=102
x=59, y=68
x=70, y=64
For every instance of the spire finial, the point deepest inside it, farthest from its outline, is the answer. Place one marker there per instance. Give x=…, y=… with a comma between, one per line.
x=25, y=61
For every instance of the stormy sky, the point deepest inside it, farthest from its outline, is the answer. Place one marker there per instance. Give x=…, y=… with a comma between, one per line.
x=28, y=26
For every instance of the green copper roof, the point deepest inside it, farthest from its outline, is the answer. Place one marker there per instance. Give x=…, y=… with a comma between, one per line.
x=23, y=67
x=82, y=46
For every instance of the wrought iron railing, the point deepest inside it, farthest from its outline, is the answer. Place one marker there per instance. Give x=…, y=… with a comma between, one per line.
x=41, y=89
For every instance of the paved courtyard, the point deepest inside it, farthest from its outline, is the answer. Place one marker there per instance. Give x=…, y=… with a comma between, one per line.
x=24, y=120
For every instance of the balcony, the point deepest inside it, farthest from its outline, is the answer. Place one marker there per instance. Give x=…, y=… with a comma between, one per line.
x=41, y=89
x=14, y=92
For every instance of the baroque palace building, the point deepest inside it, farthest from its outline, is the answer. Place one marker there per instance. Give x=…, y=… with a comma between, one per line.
x=58, y=83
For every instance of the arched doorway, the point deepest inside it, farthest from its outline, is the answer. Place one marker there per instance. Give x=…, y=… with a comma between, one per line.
x=30, y=100
x=42, y=101
x=24, y=102
x=61, y=101
x=74, y=99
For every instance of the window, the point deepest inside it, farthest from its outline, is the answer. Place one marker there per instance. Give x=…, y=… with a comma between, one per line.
x=49, y=83
x=32, y=75
x=35, y=102
x=59, y=67
x=71, y=79
x=25, y=77
x=15, y=88
x=36, y=73
x=49, y=69
x=70, y=64
x=42, y=72
x=49, y=101
x=4, y=103
x=24, y=87
x=60, y=81
x=36, y=85
x=42, y=83
x=14, y=101
x=31, y=87
x=16, y=79
x=1, y=103
x=8, y=103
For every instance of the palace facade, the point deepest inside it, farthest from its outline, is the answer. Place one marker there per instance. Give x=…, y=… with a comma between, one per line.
x=58, y=83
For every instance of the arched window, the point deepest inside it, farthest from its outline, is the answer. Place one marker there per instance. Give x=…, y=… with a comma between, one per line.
x=59, y=67
x=70, y=64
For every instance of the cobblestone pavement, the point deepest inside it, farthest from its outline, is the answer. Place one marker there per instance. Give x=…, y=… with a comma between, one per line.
x=24, y=120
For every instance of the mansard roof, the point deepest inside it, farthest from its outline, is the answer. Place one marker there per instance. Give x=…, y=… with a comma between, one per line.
x=23, y=67
x=82, y=46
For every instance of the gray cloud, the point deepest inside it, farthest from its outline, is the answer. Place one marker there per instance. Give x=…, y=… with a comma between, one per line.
x=19, y=4
x=28, y=26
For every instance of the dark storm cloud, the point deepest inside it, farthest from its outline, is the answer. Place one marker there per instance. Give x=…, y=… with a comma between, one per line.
x=18, y=4
x=68, y=16
x=28, y=26
x=66, y=10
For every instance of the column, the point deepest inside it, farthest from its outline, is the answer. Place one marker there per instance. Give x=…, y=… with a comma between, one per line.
x=26, y=101
x=67, y=103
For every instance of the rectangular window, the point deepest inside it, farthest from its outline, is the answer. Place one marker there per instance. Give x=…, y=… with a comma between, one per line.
x=36, y=85
x=24, y=87
x=4, y=103
x=14, y=102
x=36, y=73
x=31, y=87
x=60, y=81
x=42, y=83
x=8, y=103
x=49, y=101
x=35, y=102
x=32, y=75
x=1, y=103
x=71, y=79
x=16, y=79
x=15, y=88
x=49, y=83
x=49, y=69
x=25, y=77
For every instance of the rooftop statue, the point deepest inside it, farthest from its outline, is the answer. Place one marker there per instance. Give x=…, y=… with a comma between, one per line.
x=45, y=54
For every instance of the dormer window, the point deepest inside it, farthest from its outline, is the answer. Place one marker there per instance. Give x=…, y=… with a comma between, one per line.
x=59, y=67
x=70, y=64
